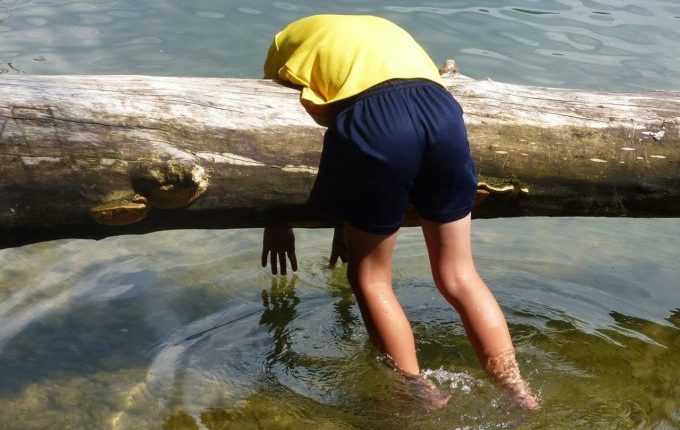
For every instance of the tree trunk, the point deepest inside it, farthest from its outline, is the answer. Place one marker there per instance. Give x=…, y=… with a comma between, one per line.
x=95, y=156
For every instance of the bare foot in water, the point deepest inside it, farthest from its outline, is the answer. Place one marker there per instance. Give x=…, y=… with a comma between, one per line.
x=523, y=398
x=503, y=367
x=426, y=393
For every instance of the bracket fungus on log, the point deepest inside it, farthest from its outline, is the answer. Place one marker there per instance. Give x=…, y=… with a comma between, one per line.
x=169, y=185
x=121, y=212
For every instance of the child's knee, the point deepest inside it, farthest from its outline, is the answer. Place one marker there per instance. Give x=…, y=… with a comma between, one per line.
x=456, y=285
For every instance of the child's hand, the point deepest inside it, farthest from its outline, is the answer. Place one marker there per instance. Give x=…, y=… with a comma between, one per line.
x=277, y=242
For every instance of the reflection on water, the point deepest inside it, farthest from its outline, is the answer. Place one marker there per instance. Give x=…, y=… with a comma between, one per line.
x=136, y=332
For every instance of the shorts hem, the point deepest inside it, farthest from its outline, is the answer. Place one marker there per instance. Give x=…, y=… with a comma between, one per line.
x=381, y=229
x=446, y=217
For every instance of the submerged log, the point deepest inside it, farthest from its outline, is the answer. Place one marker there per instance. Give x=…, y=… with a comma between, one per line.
x=95, y=156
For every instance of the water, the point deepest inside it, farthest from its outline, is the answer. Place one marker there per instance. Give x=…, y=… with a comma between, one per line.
x=137, y=332
x=602, y=44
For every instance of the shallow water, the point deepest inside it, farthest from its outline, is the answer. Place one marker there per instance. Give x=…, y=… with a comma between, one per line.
x=185, y=330
x=132, y=332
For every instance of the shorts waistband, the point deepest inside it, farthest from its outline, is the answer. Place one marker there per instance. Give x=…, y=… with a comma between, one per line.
x=393, y=84
x=388, y=85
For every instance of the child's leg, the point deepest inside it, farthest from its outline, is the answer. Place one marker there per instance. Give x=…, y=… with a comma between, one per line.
x=449, y=249
x=454, y=273
x=369, y=272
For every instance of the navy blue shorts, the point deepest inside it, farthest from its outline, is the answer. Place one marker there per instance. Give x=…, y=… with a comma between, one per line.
x=398, y=142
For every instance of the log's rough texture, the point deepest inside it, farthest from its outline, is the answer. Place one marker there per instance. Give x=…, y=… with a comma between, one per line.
x=94, y=156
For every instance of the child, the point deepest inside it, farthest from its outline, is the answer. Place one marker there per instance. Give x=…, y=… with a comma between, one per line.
x=395, y=135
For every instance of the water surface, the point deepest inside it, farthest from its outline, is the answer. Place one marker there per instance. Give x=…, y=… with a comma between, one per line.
x=580, y=43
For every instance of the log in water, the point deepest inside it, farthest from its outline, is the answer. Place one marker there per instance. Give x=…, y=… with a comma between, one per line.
x=95, y=156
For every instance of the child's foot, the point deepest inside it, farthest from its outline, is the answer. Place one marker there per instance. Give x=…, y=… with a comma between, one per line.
x=426, y=393
x=524, y=398
x=503, y=367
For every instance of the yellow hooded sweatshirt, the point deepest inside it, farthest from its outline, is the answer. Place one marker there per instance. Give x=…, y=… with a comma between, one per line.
x=334, y=57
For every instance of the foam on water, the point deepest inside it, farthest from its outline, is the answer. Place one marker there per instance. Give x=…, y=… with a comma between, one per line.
x=458, y=381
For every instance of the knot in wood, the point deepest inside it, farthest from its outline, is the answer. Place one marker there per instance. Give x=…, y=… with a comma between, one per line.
x=449, y=68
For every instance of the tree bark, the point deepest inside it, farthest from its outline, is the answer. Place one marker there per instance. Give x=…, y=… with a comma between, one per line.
x=95, y=156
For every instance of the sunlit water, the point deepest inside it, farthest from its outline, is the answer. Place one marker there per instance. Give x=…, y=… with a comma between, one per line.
x=185, y=330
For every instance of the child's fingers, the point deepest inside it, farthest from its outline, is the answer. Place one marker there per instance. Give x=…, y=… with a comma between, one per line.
x=293, y=261
x=282, y=262
x=272, y=262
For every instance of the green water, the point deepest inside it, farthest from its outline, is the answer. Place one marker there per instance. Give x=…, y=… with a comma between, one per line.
x=184, y=330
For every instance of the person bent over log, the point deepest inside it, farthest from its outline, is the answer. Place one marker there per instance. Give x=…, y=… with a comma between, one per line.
x=395, y=135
